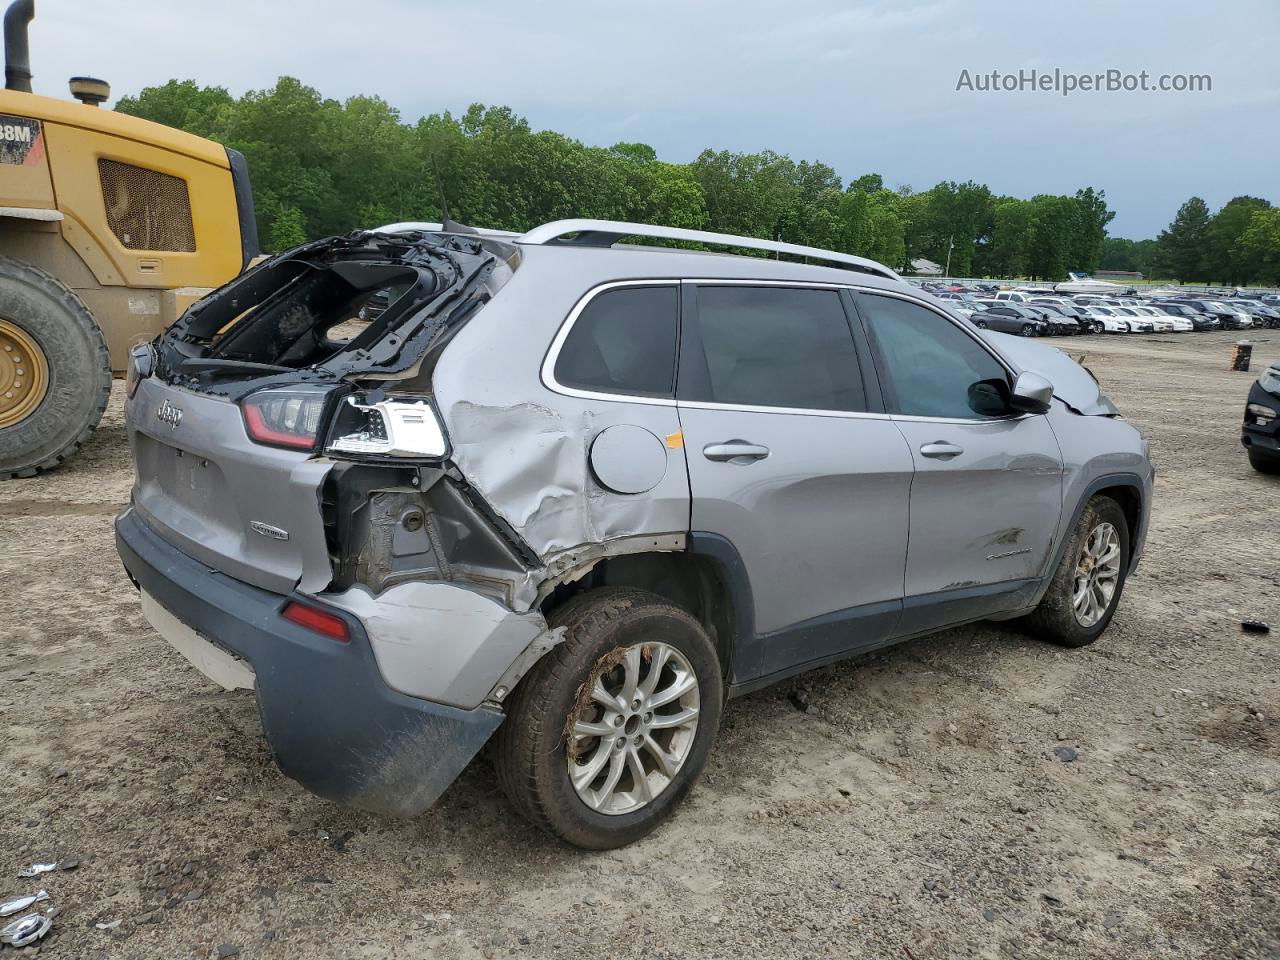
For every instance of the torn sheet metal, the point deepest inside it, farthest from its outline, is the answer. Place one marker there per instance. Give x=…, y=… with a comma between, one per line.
x=532, y=465
x=27, y=929
x=18, y=904
x=37, y=868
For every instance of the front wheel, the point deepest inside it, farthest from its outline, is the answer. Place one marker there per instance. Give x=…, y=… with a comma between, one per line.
x=1085, y=589
x=1027, y=330
x=609, y=731
x=980, y=324
x=55, y=377
x=1264, y=463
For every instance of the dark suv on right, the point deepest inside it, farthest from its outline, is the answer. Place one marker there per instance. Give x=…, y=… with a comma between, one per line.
x=1260, y=432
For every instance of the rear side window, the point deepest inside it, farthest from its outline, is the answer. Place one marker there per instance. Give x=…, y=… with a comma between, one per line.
x=776, y=347
x=929, y=367
x=624, y=341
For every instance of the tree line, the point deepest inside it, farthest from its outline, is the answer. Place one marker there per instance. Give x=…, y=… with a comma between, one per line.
x=320, y=167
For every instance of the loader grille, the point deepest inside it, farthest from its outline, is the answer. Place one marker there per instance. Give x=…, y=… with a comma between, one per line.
x=146, y=209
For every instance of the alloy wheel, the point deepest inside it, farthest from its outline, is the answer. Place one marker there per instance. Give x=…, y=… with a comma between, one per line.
x=633, y=727
x=1097, y=575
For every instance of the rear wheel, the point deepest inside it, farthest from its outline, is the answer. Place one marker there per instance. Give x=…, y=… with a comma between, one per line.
x=609, y=731
x=55, y=376
x=1086, y=587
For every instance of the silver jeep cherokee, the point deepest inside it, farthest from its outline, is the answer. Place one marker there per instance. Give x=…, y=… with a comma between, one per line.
x=570, y=494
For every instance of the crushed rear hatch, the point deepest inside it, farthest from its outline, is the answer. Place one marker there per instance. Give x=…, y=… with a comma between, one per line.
x=233, y=430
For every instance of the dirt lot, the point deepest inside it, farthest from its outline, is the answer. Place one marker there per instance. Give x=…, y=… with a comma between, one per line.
x=908, y=805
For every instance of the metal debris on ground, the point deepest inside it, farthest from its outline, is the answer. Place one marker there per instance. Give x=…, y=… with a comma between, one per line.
x=18, y=904
x=27, y=929
x=1065, y=754
x=38, y=868
x=1255, y=626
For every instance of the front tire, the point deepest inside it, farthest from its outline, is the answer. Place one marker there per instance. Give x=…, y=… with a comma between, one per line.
x=1264, y=463
x=57, y=375
x=1027, y=330
x=1085, y=589
x=608, y=732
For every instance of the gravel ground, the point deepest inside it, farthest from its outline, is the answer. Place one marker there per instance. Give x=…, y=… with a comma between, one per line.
x=909, y=804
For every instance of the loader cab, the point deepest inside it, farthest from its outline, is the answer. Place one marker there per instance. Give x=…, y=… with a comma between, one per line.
x=119, y=224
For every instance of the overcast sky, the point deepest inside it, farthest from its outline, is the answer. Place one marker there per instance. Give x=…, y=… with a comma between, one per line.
x=863, y=86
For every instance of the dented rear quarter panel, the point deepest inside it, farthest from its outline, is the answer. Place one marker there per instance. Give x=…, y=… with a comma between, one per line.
x=526, y=448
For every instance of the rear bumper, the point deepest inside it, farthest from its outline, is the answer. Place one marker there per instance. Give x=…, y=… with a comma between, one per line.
x=332, y=722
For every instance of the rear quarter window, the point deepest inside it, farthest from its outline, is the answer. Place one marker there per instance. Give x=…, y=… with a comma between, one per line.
x=623, y=341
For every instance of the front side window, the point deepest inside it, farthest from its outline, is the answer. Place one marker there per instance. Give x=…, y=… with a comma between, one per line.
x=776, y=347
x=624, y=341
x=929, y=367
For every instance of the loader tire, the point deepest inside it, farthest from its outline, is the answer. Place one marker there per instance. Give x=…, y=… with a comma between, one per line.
x=56, y=373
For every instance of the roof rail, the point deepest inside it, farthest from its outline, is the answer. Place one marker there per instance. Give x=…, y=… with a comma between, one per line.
x=605, y=233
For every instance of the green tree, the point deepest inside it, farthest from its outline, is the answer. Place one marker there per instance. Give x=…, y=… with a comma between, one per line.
x=1181, y=247
x=1221, y=260
x=286, y=230
x=1089, y=229
x=1259, y=246
x=1009, y=254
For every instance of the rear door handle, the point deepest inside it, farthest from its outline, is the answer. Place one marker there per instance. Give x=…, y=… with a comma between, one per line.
x=735, y=451
x=941, y=450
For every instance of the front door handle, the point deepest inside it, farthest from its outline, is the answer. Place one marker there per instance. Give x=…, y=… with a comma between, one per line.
x=735, y=451
x=941, y=450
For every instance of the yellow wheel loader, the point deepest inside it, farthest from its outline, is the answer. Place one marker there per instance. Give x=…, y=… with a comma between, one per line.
x=110, y=226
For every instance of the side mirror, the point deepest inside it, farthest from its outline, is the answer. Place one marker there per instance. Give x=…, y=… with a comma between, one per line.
x=1031, y=393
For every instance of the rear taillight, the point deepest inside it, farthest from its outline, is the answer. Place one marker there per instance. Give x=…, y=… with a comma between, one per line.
x=400, y=427
x=288, y=417
x=317, y=621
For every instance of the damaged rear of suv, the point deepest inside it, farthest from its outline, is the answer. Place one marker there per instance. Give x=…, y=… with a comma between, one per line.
x=575, y=495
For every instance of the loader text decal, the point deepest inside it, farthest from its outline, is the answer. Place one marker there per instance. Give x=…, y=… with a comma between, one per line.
x=21, y=140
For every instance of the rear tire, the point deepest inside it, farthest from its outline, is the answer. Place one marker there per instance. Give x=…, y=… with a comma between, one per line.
x=554, y=706
x=1070, y=613
x=74, y=356
x=1264, y=463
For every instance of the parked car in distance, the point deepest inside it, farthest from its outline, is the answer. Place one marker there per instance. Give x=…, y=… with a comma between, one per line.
x=1082, y=322
x=1157, y=325
x=512, y=510
x=1110, y=322
x=1163, y=321
x=1259, y=312
x=1004, y=316
x=1201, y=319
x=1260, y=433
x=1227, y=318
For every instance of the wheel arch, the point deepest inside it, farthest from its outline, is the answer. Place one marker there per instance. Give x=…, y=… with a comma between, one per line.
x=707, y=580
